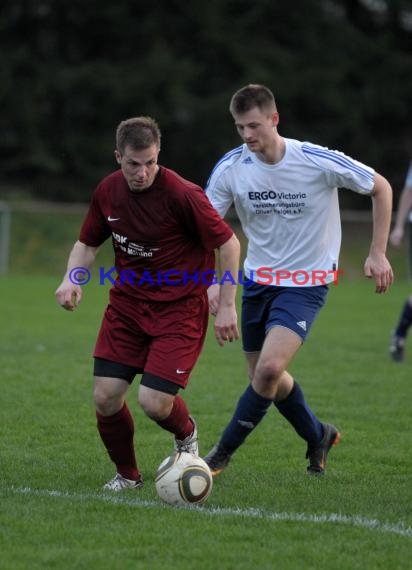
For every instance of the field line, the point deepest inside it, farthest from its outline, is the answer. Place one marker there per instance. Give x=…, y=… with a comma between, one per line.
x=323, y=518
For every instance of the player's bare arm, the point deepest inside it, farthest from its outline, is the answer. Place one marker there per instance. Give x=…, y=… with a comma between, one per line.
x=226, y=316
x=404, y=207
x=377, y=265
x=69, y=293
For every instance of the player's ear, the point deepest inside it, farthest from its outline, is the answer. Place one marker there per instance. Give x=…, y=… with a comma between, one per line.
x=118, y=156
x=275, y=119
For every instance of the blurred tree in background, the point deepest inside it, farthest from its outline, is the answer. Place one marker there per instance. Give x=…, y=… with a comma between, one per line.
x=71, y=71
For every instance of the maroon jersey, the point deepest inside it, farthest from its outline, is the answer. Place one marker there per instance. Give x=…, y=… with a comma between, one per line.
x=163, y=237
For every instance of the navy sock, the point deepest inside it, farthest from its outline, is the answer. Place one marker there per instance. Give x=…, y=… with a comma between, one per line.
x=405, y=320
x=250, y=410
x=295, y=409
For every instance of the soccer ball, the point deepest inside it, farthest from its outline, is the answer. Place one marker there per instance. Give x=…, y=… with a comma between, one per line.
x=183, y=478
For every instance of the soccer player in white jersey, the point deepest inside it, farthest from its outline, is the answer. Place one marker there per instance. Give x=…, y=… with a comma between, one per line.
x=398, y=337
x=285, y=194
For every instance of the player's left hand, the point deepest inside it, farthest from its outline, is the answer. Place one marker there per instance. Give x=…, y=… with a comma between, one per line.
x=226, y=325
x=396, y=237
x=378, y=267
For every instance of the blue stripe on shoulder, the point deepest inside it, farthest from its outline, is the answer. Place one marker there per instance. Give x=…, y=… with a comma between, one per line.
x=338, y=159
x=225, y=158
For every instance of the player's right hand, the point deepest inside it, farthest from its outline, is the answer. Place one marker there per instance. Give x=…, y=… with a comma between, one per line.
x=68, y=295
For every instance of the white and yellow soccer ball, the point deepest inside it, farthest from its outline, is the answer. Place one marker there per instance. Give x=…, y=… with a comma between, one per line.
x=183, y=479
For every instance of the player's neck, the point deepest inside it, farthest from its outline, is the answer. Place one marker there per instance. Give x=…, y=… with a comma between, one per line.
x=273, y=153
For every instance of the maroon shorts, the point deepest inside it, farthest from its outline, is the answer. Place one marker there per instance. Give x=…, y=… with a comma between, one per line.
x=164, y=339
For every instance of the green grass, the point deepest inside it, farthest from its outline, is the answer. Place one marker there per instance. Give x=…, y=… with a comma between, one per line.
x=41, y=242
x=263, y=511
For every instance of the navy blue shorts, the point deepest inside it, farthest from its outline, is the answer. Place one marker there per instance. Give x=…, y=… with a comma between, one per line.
x=268, y=306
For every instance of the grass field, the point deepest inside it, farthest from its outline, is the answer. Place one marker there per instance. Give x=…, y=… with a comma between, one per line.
x=264, y=512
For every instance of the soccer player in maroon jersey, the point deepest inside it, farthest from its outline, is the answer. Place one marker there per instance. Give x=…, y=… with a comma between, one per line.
x=164, y=232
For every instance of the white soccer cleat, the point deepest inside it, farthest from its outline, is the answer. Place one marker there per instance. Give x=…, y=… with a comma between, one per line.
x=120, y=483
x=189, y=444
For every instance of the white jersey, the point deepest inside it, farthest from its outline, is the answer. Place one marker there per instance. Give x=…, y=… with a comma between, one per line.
x=289, y=211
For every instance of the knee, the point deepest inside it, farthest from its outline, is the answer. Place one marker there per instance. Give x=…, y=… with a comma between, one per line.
x=106, y=402
x=150, y=408
x=155, y=405
x=269, y=371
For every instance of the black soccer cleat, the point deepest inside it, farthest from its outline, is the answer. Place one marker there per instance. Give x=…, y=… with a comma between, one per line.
x=217, y=459
x=317, y=455
x=397, y=348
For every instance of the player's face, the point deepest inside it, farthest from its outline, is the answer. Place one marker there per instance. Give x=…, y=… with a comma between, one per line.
x=257, y=129
x=139, y=167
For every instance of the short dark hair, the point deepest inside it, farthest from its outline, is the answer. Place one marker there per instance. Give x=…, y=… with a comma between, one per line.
x=251, y=96
x=138, y=133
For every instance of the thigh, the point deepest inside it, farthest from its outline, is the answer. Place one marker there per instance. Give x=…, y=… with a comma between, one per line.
x=296, y=308
x=110, y=387
x=121, y=338
x=179, y=331
x=279, y=348
x=255, y=310
x=270, y=378
x=156, y=404
x=251, y=361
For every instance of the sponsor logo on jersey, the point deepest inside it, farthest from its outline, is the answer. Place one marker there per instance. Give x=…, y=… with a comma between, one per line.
x=265, y=195
x=287, y=204
x=132, y=248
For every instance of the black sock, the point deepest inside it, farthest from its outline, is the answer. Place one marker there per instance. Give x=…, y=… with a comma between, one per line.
x=405, y=320
x=295, y=409
x=251, y=408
